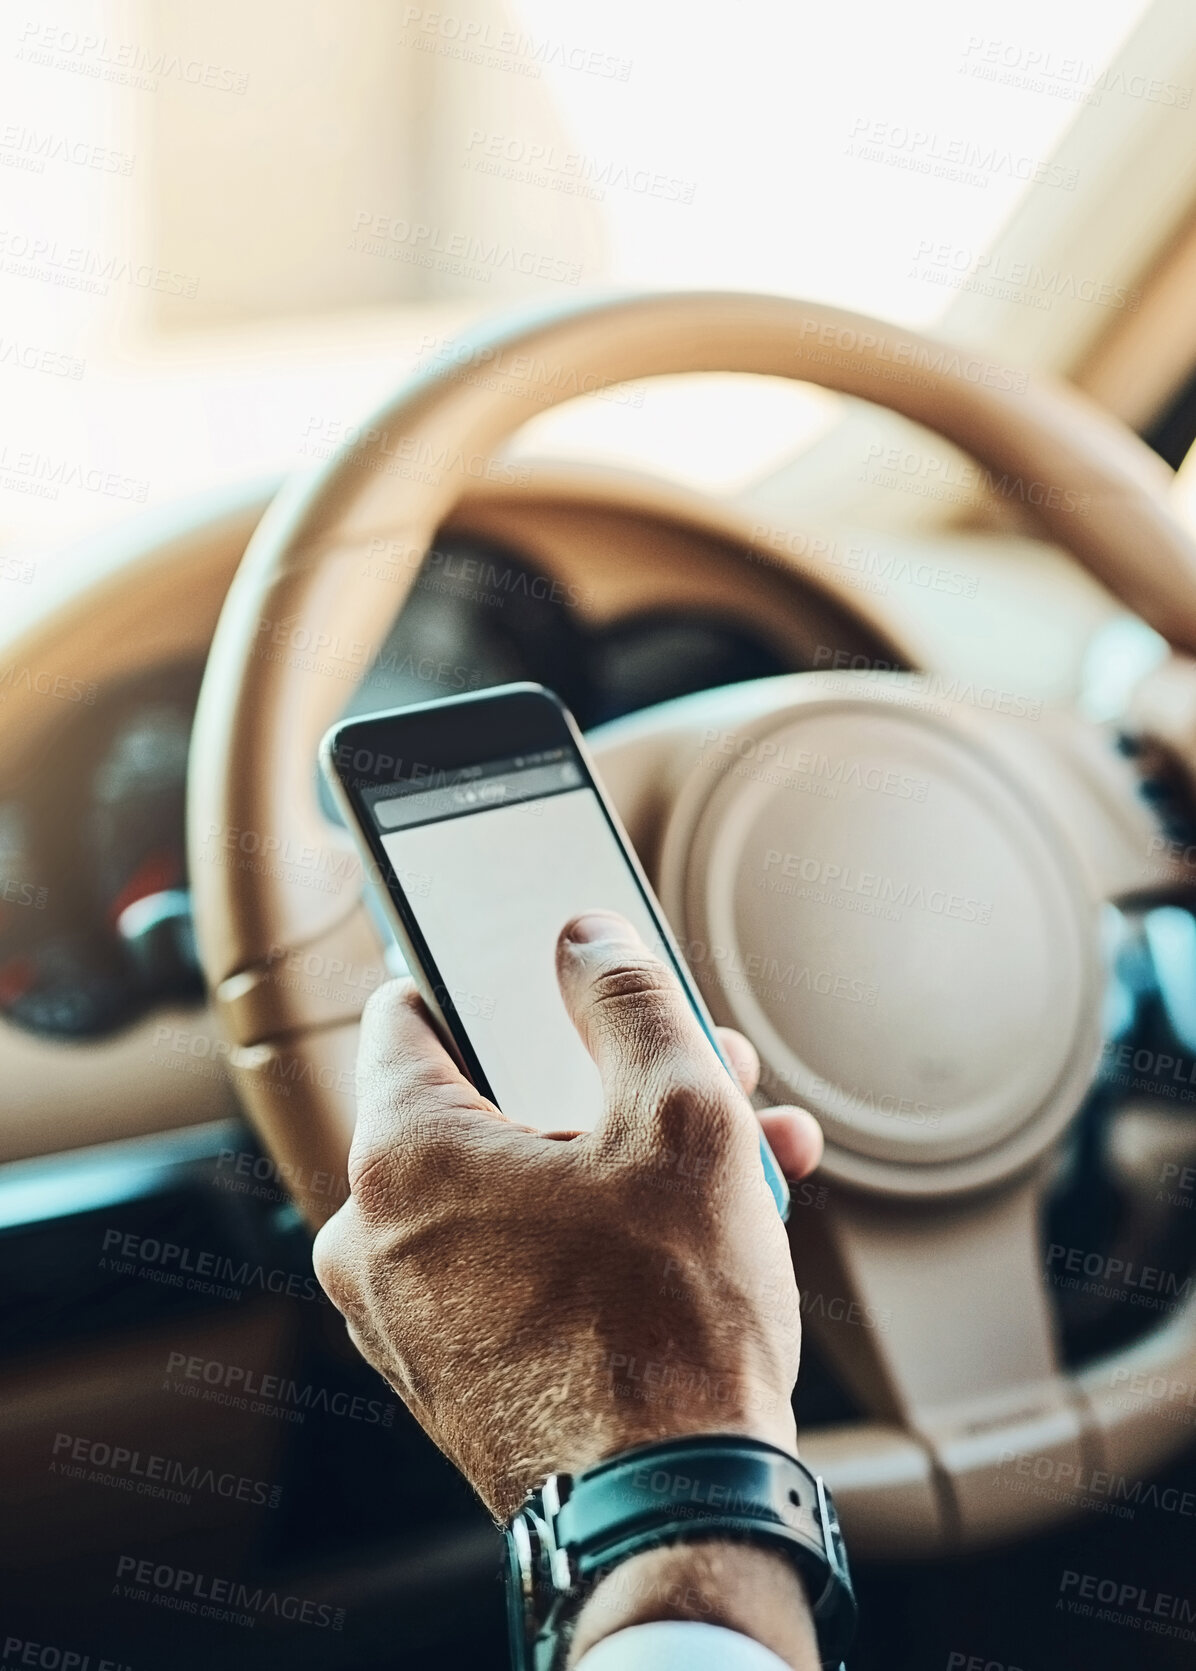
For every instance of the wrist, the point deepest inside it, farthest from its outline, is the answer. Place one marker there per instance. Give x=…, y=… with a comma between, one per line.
x=740, y=1586
x=658, y=1399
x=775, y=1426
x=576, y=1452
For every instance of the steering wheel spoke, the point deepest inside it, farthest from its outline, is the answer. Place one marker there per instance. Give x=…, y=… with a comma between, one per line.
x=936, y=1317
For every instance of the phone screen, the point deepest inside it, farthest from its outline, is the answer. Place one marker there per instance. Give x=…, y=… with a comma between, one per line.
x=493, y=863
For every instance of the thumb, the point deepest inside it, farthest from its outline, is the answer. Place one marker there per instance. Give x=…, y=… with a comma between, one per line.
x=636, y=1021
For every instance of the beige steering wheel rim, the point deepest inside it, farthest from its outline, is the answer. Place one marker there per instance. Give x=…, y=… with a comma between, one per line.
x=308, y=611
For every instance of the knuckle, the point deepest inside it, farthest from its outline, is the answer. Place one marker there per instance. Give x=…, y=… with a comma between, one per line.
x=682, y=1086
x=389, y=1000
x=431, y=1144
x=372, y=1178
x=399, y=1079
x=423, y=1146
x=693, y=1113
x=328, y=1257
x=630, y=978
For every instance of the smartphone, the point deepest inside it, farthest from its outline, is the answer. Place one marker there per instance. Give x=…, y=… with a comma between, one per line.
x=483, y=820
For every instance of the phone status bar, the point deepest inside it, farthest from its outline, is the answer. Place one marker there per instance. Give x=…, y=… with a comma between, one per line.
x=463, y=790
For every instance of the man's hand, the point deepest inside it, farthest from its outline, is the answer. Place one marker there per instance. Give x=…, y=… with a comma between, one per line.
x=540, y=1304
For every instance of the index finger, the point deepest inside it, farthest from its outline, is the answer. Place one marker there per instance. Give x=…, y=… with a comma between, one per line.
x=406, y=1078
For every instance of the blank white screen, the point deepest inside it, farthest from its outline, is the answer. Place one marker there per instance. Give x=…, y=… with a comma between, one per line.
x=491, y=892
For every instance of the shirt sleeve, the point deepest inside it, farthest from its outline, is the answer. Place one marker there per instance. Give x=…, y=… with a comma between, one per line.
x=679, y=1645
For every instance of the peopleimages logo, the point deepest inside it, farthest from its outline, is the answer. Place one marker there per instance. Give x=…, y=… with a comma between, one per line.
x=48, y=1656
x=202, y=1271
x=778, y=754
x=423, y=244
x=857, y=1099
x=1174, y=1397
x=959, y=267
x=917, y=687
x=127, y=63
x=1116, y=1276
x=931, y=474
x=785, y=872
x=1095, y=1488
x=535, y=162
x=951, y=157
x=38, y=682
x=497, y=365
x=243, y=1388
x=148, y=1474
x=1125, y=1603
x=77, y=267
x=905, y=359
x=226, y=1599
x=1038, y=70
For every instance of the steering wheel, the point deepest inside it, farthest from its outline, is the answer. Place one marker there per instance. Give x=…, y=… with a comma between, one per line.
x=893, y=885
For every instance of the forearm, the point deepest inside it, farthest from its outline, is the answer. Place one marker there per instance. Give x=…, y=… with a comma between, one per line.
x=740, y=1586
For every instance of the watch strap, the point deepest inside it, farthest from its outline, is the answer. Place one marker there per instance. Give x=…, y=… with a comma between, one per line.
x=576, y=1528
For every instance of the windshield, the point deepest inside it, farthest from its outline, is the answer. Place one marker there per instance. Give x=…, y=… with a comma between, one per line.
x=222, y=243
x=830, y=152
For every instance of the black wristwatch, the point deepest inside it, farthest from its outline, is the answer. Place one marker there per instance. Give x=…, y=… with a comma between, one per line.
x=575, y=1528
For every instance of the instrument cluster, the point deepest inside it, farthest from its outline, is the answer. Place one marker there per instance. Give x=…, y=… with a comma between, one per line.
x=95, y=925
